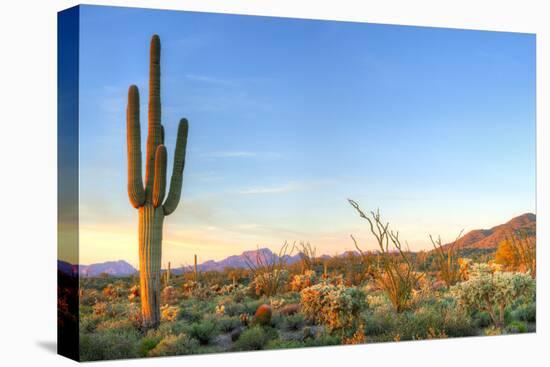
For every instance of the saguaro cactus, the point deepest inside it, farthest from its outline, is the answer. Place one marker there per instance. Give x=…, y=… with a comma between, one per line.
x=150, y=199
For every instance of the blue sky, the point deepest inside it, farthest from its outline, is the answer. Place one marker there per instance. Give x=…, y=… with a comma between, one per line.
x=289, y=118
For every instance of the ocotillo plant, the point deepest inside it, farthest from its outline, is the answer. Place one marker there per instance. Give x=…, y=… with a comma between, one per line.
x=150, y=199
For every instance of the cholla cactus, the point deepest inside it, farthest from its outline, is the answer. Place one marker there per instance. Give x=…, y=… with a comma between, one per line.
x=149, y=199
x=335, y=306
x=488, y=289
x=301, y=281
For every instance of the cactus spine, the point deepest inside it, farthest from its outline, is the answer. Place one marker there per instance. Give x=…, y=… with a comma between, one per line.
x=149, y=198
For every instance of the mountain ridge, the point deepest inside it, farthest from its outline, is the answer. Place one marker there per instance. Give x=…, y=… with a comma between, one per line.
x=490, y=238
x=477, y=239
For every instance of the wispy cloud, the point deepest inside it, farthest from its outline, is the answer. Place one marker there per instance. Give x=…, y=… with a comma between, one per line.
x=210, y=80
x=242, y=154
x=289, y=187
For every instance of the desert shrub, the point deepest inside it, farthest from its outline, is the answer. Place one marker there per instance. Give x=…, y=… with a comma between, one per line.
x=169, y=295
x=88, y=324
x=293, y=322
x=425, y=324
x=516, y=327
x=244, y=318
x=263, y=315
x=228, y=323
x=277, y=303
x=254, y=338
x=190, y=315
x=301, y=281
x=252, y=306
x=284, y=344
x=204, y=331
x=90, y=297
x=147, y=344
x=174, y=345
x=133, y=293
x=168, y=313
x=492, y=331
x=335, y=306
x=116, y=324
x=108, y=344
x=290, y=309
x=447, y=261
x=322, y=339
x=517, y=252
x=234, y=309
x=491, y=290
x=378, y=323
x=431, y=320
x=481, y=319
x=268, y=270
x=268, y=283
x=110, y=292
x=170, y=328
x=101, y=309
x=526, y=312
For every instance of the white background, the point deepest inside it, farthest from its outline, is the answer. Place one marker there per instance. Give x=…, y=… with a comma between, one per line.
x=28, y=181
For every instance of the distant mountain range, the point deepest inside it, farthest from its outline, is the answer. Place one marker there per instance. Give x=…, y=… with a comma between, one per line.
x=490, y=238
x=118, y=268
x=479, y=239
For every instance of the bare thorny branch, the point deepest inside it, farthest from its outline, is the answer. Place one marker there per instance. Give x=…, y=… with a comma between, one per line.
x=394, y=270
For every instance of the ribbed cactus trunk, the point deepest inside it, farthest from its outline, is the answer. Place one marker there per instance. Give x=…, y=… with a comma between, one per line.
x=149, y=199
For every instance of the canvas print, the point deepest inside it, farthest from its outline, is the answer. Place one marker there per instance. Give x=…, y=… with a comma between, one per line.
x=240, y=183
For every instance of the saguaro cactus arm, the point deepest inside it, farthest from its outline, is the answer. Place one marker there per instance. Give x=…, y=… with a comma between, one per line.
x=154, y=128
x=174, y=194
x=136, y=192
x=159, y=185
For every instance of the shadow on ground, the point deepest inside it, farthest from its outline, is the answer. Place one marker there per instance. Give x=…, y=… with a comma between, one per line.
x=49, y=345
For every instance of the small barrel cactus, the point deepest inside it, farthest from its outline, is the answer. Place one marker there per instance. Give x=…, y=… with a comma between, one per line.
x=263, y=315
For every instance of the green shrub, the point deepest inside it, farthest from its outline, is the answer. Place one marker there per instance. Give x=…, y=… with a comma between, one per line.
x=284, y=344
x=481, y=319
x=378, y=323
x=293, y=322
x=88, y=324
x=147, y=344
x=516, y=327
x=321, y=340
x=228, y=324
x=190, y=315
x=234, y=309
x=254, y=338
x=173, y=345
x=115, y=324
x=109, y=344
x=252, y=306
x=525, y=312
x=204, y=331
